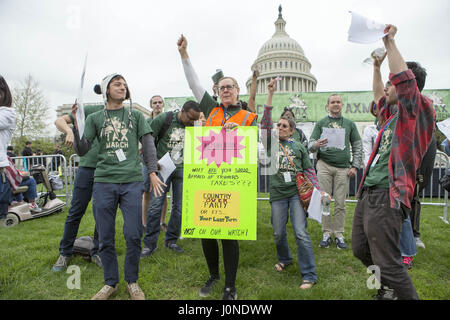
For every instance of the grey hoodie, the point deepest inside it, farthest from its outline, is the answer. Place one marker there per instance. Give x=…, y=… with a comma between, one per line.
x=7, y=122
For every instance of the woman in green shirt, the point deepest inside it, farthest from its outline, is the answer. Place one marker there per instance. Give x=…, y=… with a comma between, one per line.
x=291, y=158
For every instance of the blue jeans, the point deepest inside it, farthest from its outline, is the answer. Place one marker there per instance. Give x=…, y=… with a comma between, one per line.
x=81, y=196
x=5, y=195
x=280, y=216
x=154, y=212
x=31, y=193
x=407, y=242
x=107, y=197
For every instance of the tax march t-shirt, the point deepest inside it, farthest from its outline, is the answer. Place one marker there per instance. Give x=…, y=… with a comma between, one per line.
x=378, y=175
x=118, y=157
x=172, y=140
x=334, y=156
x=279, y=188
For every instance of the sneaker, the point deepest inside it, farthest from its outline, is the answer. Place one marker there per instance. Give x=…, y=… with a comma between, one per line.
x=326, y=241
x=35, y=208
x=96, y=259
x=147, y=252
x=105, y=293
x=229, y=293
x=408, y=262
x=135, y=291
x=174, y=247
x=208, y=287
x=60, y=264
x=340, y=243
x=419, y=243
x=386, y=293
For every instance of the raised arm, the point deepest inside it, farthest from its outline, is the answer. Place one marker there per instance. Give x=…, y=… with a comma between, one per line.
x=396, y=62
x=251, y=98
x=62, y=124
x=189, y=72
x=377, y=85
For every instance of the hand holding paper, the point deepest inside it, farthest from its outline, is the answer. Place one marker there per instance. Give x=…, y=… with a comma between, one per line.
x=364, y=30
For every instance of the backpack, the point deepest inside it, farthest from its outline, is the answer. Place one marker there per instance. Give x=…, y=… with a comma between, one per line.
x=166, y=125
x=83, y=246
x=425, y=170
x=303, y=138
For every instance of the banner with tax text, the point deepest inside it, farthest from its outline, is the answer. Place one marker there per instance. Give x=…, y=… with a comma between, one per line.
x=220, y=183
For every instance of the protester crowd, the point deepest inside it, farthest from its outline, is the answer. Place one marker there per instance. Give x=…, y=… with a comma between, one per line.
x=119, y=151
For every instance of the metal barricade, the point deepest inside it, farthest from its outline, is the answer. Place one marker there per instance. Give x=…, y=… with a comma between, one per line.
x=74, y=160
x=433, y=194
x=51, y=163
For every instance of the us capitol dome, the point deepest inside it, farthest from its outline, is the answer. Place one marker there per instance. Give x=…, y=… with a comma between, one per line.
x=283, y=56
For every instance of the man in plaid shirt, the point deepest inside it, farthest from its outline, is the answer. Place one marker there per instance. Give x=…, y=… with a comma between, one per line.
x=387, y=186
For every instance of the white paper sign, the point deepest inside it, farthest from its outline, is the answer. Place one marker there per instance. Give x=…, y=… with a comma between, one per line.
x=444, y=127
x=335, y=136
x=80, y=109
x=315, y=206
x=364, y=30
x=167, y=166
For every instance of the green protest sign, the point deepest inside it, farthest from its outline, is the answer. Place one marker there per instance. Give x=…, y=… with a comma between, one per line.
x=220, y=183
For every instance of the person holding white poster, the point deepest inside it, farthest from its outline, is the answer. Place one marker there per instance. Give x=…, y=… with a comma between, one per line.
x=389, y=179
x=335, y=165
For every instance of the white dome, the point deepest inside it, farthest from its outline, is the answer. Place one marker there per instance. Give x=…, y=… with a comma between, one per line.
x=280, y=43
x=283, y=56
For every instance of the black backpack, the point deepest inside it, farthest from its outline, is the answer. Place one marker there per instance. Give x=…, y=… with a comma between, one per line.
x=165, y=126
x=83, y=246
x=423, y=175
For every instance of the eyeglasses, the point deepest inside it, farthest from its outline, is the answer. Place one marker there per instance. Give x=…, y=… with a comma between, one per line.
x=282, y=125
x=227, y=87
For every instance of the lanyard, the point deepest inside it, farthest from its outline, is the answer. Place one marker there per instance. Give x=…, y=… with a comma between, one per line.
x=286, y=156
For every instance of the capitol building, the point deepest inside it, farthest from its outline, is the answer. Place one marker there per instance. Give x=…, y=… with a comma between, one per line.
x=283, y=56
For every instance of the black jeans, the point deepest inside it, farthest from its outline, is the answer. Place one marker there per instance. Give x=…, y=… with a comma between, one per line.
x=230, y=258
x=376, y=238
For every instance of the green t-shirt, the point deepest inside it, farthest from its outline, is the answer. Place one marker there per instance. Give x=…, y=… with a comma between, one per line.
x=278, y=187
x=89, y=160
x=208, y=104
x=378, y=175
x=172, y=140
x=117, y=136
x=334, y=156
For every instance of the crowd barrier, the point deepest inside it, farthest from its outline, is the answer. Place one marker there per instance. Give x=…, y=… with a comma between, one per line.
x=55, y=164
x=433, y=194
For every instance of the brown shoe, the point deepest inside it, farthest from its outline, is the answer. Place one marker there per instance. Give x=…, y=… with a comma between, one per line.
x=105, y=293
x=135, y=291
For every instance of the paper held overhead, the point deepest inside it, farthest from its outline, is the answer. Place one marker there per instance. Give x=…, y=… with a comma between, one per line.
x=365, y=30
x=80, y=109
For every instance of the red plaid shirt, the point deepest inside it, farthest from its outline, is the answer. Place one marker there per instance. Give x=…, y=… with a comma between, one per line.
x=411, y=138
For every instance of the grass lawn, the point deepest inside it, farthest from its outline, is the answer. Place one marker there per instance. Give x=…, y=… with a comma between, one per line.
x=28, y=251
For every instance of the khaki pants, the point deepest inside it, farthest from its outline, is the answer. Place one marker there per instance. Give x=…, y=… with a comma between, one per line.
x=330, y=176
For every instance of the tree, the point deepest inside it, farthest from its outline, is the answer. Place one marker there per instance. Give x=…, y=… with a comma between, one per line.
x=31, y=108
